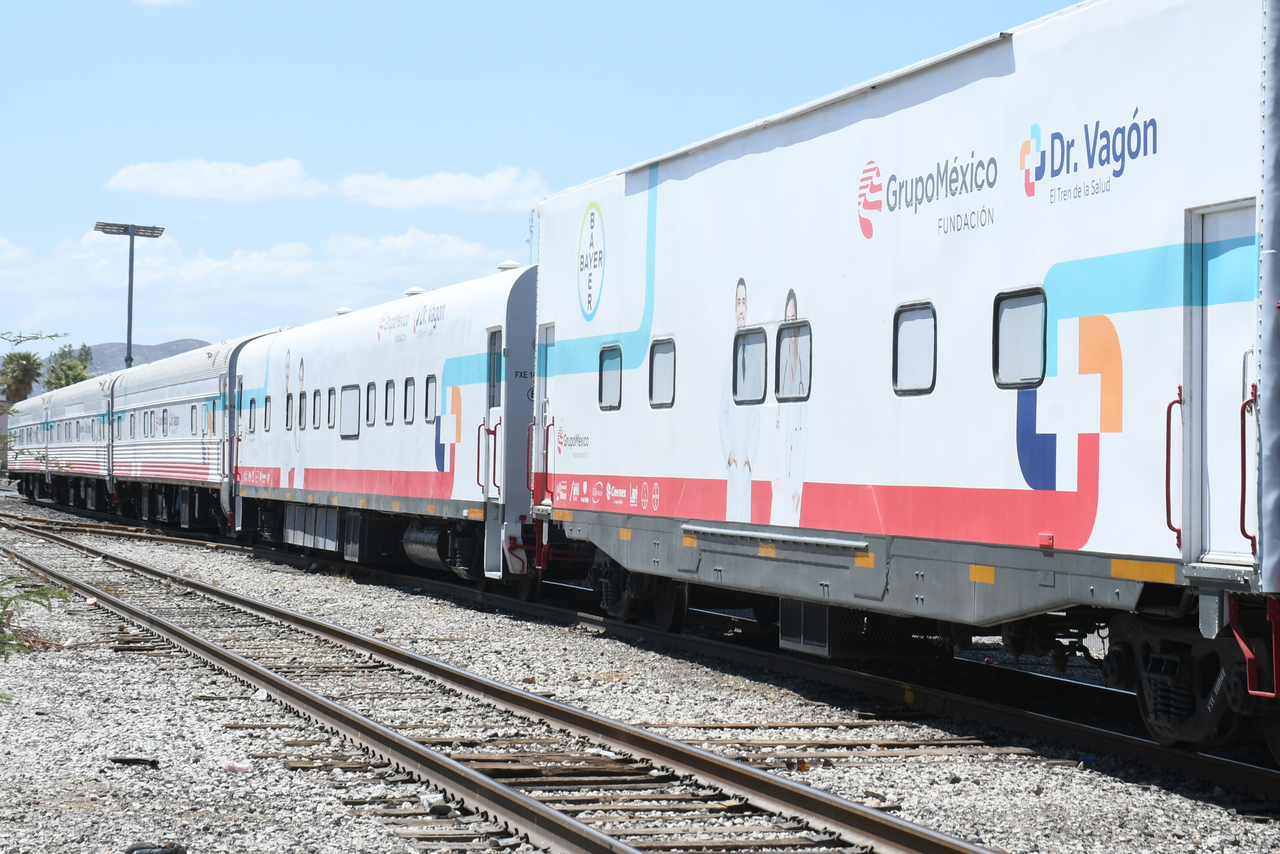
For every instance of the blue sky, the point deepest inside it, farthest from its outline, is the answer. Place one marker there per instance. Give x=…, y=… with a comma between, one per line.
x=304, y=156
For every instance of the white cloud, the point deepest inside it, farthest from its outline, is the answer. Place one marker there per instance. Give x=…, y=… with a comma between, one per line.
x=79, y=287
x=503, y=189
x=236, y=182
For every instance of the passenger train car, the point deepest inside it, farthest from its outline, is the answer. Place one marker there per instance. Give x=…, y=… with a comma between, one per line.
x=986, y=345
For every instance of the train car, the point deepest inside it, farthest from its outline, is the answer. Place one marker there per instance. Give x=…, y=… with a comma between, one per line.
x=60, y=444
x=404, y=424
x=980, y=343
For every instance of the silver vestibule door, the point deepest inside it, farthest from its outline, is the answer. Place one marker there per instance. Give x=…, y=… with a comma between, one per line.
x=544, y=445
x=491, y=457
x=1224, y=372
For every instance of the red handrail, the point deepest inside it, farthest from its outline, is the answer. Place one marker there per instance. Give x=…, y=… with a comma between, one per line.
x=1244, y=408
x=494, y=434
x=1168, y=468
x=546, y=462
x=528, y=457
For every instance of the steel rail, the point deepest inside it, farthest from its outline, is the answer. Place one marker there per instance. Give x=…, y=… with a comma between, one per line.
x=854, y=822
x=543, y=825
x=1090, y=738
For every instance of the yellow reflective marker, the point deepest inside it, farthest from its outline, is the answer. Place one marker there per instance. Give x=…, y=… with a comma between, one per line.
x=395, y=505
x=431, y=508
x=562, y=515
x=363, y=501
x=908, y=695
x=768, y=550
x=1141, y=570
x=475, y=513
x=691, y=541
x=624, y=533
x=982, y=574
x=864, y=559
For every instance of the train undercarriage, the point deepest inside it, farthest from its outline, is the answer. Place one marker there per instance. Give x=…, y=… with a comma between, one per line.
x=1203, y=667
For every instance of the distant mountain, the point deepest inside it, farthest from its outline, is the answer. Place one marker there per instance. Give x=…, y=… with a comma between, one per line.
x=110, y=357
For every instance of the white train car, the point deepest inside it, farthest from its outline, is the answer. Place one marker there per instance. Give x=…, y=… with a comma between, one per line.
x=911, y=350
x=418, y=410
x=59, y=439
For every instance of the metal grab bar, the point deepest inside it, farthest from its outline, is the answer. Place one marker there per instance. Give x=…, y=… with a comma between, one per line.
x=547, y=492
x=1244, y=408
x=1168, y=468
x=528, y=457
x=494, y=434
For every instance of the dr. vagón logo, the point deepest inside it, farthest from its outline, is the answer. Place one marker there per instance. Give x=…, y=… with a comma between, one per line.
x=591, y=261
x=1028, y=162
x=868, y=187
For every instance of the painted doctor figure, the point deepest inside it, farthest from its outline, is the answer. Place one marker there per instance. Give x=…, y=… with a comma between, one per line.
x=793, y=386
x=739, y=424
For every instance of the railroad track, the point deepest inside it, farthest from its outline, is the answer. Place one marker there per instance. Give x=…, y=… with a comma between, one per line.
x=566, y=778
x=1067, y=695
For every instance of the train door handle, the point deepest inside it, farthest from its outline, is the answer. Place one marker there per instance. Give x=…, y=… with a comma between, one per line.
x=1244, y=468
x=1168, y=466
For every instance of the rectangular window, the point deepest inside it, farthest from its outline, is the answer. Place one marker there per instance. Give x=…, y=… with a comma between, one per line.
x=253, y=413
x=193, y=419
x=288, y=412
x=662, y=373
x=302, y=410
x=389, y=403
x=495, y=369
x=119, y=426
x=915, y=349
x=349, y=418
x=1018, y=343
x=431, y=400
x=793, y=361
x=611, y=378
x=409, y=389
x=750, y=365
x=370, y=403
x=315, y=409
x=164, y=422
x=133, y=425
x=266, y=413
x=333, y=406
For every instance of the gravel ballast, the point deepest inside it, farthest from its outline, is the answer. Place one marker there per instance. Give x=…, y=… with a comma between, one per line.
x=1015, y=804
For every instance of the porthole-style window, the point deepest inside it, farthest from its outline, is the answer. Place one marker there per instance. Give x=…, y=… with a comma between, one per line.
x=662, y=374
x=1018, y=340
x=349, y=417
x=610, y=388
x=915, y=349
x=793, y=361
x=409, y=388
x=750, y=365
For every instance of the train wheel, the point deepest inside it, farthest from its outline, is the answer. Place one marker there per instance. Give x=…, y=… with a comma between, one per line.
x=1155, y=732
x=670, y=604
x=527, y=585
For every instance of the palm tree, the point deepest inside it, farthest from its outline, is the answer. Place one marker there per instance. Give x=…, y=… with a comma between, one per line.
x=63, y=374
x=19, y=371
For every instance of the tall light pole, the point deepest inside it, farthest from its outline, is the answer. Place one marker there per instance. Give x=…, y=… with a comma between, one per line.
x=133, y=231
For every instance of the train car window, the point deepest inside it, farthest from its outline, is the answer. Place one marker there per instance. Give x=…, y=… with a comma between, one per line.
x=302, y=410
x=431, y=400
x=266, y=413
x=349, y=418
x=389, y=403
x=253, y=414
x=193, y=419
x=77, y=431
x=793, y=361
x=410, y=387
x=662, y=374
x=315, y=409
x=288, y=412
x=750, y=366
x=915, y=349
x=133, y=424
x=370, y=403
x=610, y=378
x=333, y=405
x=495, y=368
x=164, y=422
x=119, y=426
x=1017, y=347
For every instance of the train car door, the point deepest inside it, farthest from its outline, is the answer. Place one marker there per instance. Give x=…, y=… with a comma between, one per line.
x=491, y=456
x=1224, y=372
x=543, y=439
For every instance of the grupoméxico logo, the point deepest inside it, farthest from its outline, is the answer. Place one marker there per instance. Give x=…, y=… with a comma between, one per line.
x=868, y=187
x=591, y=261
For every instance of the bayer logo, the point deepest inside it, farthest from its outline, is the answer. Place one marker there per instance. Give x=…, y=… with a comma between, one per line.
x=591, y=260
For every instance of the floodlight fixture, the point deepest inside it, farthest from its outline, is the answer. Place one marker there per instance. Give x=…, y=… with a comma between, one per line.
x=133, y=231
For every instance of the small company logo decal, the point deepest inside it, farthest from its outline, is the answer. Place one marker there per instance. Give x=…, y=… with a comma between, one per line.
x=1028, y=163
x=1109, y=151
x=591, y=260
x=868, y=188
